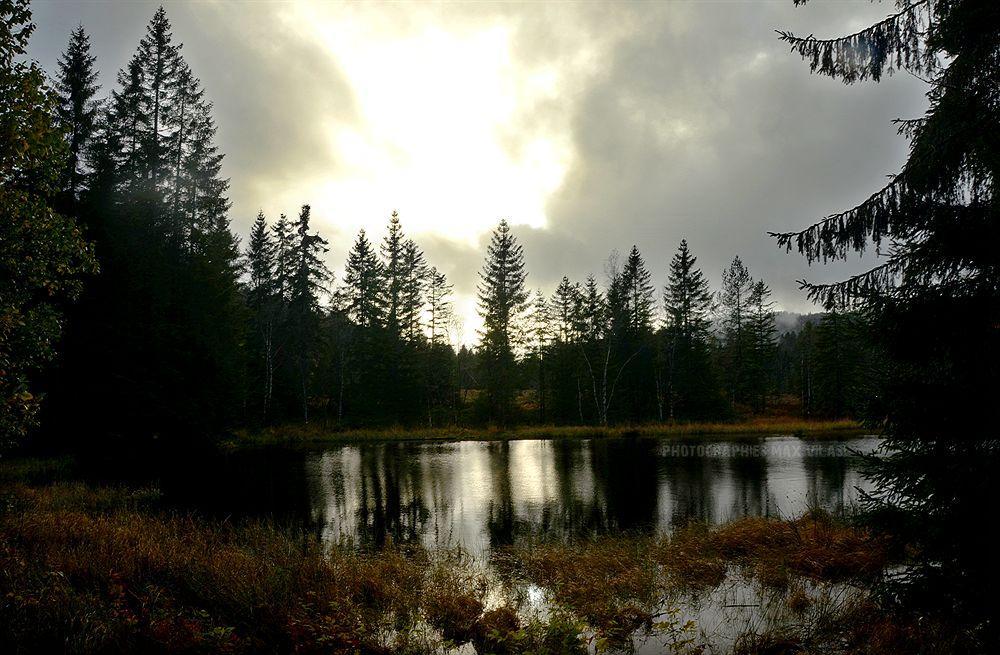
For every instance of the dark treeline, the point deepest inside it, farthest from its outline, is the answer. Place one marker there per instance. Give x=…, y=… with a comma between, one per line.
x=185, y=332
x=378, y=351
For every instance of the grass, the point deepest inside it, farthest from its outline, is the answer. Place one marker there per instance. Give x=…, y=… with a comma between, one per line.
x=318, y=433
x=106, y=570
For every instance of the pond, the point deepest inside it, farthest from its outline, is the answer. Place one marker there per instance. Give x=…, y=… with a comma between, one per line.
x=481, y=494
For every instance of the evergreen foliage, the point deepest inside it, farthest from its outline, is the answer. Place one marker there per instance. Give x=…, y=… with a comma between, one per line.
x=76, y=85
x=934, y=298
x=502, y=301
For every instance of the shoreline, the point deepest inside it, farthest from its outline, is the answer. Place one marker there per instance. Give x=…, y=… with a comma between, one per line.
x=297, y=434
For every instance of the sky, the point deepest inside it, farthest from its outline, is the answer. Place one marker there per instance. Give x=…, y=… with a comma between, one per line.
x=589, y=126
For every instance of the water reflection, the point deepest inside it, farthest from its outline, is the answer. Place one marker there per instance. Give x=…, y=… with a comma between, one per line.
x=486, y=494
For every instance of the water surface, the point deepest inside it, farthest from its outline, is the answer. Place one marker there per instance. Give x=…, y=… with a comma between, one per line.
x=480, y=494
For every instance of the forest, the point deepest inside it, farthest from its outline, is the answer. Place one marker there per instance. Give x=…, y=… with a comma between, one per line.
x=144, y=342
x=182, y=328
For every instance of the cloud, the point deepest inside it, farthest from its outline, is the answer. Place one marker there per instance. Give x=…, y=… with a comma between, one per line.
x=590, y=126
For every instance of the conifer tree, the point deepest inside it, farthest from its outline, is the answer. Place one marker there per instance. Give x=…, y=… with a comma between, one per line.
x=77, y=85
x=168, y=307
x=934, y=297
x=439, y=306
x=734, y=299
x=413, y=278
x=283, y=259
x=126, y=123
x=502, y=301
x=308, y=281
x=565, y=307
x=363, y=283
x=539, y=336
x=393, y=271
x=687, y=300
x=593, y=312
x=263, y=303
x=638, y=293
x=761, y=331
x=159, y=57
x=687, y=303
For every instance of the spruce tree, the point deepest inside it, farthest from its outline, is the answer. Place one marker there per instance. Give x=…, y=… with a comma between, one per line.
x=565, y=306
x=77, y=85
x=263, y=303
x=393, y=267
x=413, y=283
x=160, y=59
x=283, y=258
x=539, y=335
x=364, y=279
x=638, y=292
x=439, y=306
x=168, y=308
x=687, y=302
x=309, y=277
x=734, y=299
x=593, y=313
x=761, y=331
x=502, y=301
x=933, y=296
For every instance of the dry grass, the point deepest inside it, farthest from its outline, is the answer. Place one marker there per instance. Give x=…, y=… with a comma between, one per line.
x=816, y=547
x=316, y=433
x=100, y=570
x=80, y=575
x=610, y=583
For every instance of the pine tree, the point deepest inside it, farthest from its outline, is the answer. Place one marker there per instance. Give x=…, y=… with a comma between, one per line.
x=502, y=301
x=934, y=298
x=76, y=83
x=363, y=283
x=43, y=256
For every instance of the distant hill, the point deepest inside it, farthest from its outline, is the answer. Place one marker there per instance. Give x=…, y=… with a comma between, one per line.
x=793, y=321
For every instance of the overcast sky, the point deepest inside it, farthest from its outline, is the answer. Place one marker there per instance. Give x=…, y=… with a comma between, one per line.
x=590, y=126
